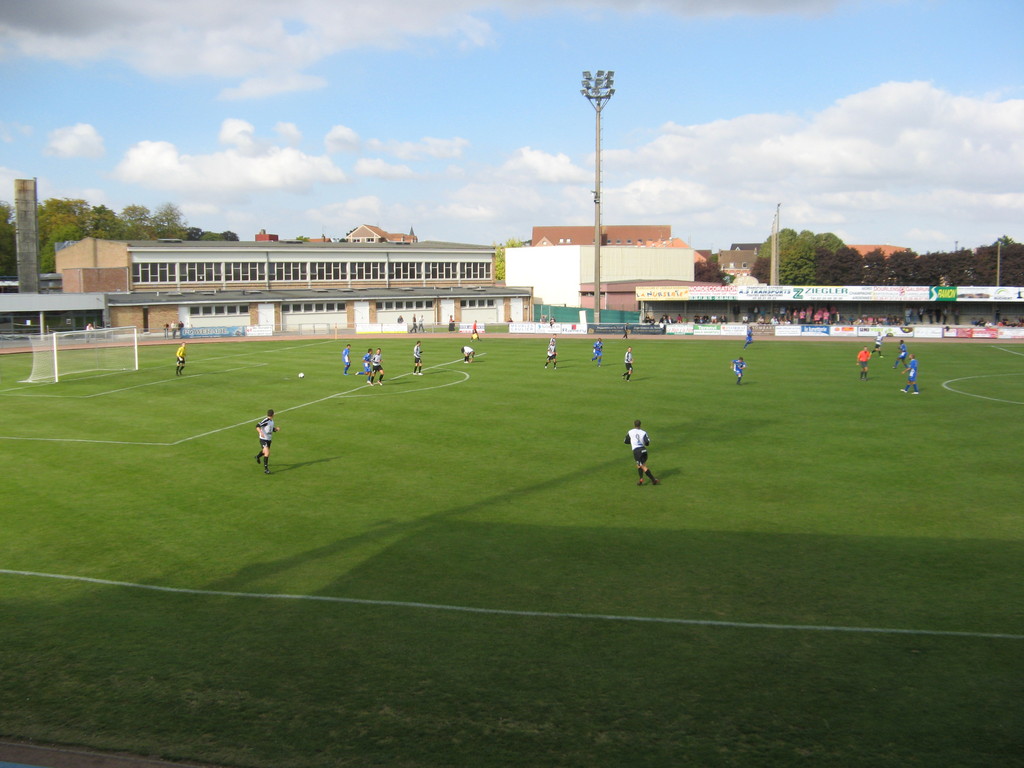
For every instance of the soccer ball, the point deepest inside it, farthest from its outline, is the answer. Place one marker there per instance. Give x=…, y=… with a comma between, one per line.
x=302, y=375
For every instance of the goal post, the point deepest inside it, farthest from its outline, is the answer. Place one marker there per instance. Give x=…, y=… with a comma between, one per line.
x=66, y=352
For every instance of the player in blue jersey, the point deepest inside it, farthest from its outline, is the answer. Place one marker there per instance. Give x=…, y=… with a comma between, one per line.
x=911, y=377
x=346, y=357
x=598, y=352
x=750, y=336
x=738, y=367
x=902, y=356
x=367, y=365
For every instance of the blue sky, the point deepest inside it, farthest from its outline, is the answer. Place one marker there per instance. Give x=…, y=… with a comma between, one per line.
x=884, y=121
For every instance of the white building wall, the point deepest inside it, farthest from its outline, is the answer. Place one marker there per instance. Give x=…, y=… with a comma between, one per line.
x=556, y=271
x=553, y=271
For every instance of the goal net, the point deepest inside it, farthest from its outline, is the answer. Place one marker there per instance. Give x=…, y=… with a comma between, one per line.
x=66, y=352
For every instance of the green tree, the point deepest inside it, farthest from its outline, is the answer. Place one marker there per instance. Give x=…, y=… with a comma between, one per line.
x=499, y=256
x=102, y=222
x=8, y=241
x=168, y=222
x=709, y=271
x=137, y=222
x=60, y=220
x=796, y=257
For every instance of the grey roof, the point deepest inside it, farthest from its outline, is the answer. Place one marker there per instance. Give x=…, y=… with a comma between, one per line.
x=213, y=296
x=265, y=245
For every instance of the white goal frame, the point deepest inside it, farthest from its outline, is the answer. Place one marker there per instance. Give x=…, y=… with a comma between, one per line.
x=65, y=352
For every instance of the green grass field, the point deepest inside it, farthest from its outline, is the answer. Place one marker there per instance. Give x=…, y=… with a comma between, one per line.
x=458, y=569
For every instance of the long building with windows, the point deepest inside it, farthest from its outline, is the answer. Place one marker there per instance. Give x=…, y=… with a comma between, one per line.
x=298, y=283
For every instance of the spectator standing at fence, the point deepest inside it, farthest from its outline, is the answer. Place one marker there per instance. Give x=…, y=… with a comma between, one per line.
x=180, y=358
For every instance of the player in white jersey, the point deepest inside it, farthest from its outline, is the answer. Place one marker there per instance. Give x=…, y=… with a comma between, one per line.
x=628, y=360
x=417, y=357
x=266, y=428
x=638, y=440
x=552, y=354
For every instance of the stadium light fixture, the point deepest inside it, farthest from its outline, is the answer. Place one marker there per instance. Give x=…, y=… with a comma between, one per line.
x=597, y=89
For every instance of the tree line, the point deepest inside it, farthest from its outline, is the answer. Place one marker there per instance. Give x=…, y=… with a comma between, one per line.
x=65, y=219
x=806, y=258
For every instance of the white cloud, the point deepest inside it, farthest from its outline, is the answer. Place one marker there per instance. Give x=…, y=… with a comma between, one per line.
x=543, y=166
x=248, y=165
x=289, y=132
x=341, y=138
x=79, y=140
x=425, y=147
x=377, y=168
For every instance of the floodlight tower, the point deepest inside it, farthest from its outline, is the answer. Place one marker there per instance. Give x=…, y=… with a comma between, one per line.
x=598, y=90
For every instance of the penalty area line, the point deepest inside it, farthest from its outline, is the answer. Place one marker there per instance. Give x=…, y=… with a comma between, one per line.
x=524, y=614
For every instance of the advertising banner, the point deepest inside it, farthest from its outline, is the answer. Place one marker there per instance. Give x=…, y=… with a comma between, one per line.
x=259, y=330
x=212, y=332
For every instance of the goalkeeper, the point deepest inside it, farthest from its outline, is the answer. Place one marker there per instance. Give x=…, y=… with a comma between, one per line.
x=180, y=354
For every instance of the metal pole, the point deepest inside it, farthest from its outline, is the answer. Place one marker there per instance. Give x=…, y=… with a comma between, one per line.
x=597, y=222
x=597, y=90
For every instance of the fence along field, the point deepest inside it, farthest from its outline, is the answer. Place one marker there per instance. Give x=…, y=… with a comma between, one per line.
x=796, y=505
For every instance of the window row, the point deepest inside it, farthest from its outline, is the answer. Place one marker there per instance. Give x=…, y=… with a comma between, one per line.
x=319, y=306
x=219, y=309
x=476, y=303
x=422, y=304
x=293, y=271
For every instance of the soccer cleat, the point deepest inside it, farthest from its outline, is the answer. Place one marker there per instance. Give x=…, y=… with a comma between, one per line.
x=915, y=393
x=258, y=459
x=639, y=482
x=903, y=391
x=656, y=482
x=266, y=471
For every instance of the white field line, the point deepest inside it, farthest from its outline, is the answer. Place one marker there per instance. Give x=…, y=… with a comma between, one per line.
x=33, y=392
x=348, y=393
x=948, y=385
x=528, y=614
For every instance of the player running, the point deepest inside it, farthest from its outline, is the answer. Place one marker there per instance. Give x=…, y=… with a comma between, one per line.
x=598, y=352
x=552, y=354
x=367, y=365
x=266, y=428
x=638, y=440
x=628, y=360
x=738, y=366
x=902, y=356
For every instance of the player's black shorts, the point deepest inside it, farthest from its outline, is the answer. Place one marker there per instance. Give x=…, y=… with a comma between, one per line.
x=377, y=368
x=640, y=456
x=264, y=442
x=181, y=361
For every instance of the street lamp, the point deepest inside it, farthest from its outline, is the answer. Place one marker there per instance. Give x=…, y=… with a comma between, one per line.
x=598, y=90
